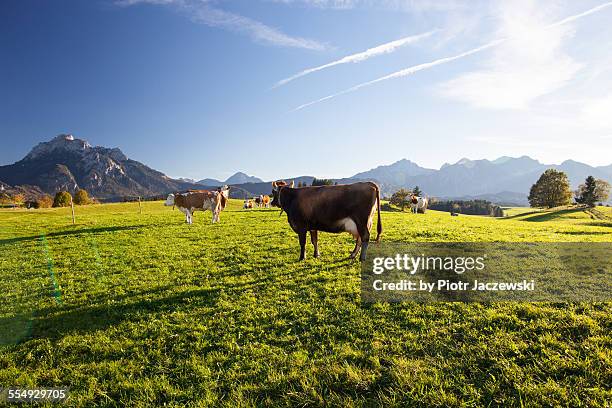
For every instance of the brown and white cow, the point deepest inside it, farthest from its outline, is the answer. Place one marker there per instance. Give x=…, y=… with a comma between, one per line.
x=342, y=208
x=418, y=204
x=199, y=200
x=266, y=201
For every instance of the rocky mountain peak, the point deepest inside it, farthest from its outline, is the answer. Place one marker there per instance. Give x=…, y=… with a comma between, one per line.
x=62, y=142
x=241, y=178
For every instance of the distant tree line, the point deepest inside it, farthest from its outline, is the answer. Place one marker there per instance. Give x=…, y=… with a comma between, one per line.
x=470, y=207
x=321, y=182
x=61, y=199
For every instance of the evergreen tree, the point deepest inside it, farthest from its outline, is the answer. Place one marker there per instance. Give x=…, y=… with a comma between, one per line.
x=417, y=191
x=586, y=192
x=592, y=191
x=551, y=190
x=322, y=182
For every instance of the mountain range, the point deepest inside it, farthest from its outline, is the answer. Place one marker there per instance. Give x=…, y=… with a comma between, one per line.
x=237, y=178
x=503, y=180
x=68, y=163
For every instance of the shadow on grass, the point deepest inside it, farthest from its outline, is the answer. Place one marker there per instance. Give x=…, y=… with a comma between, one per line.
x=599, y=224
x=586, y=233
x=550, y=215
x=99, y=230
x=388, y=208
x=89, y=319
x=510, y=217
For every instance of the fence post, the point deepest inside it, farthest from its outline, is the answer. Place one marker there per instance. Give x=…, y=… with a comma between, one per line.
x=72, y=207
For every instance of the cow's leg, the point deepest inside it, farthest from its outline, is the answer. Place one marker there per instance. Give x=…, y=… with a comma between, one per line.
x=364, y=232
x=356, y=250
x=314, y=238
x=302, y=238
x=187, y=218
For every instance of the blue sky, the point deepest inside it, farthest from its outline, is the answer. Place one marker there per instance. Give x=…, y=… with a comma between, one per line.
x=202, y=88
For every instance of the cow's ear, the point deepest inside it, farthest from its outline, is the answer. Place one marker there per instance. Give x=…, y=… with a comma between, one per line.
x=274, y=184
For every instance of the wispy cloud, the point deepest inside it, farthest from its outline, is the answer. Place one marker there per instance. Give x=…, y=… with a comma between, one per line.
x=127, y=3
x=412, y=70
x=386, y=48
x=201, y=11
x=401, y=5
x=405, y=72
x=333, y=4
x=530, y=64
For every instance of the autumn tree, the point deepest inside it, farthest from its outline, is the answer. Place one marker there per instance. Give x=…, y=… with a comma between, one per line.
x=44, y=201
x=602, y=190
x=19, y=199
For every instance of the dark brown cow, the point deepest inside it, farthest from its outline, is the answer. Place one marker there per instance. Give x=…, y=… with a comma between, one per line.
x=343, y=208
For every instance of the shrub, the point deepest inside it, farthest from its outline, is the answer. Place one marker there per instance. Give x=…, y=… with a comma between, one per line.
x=81, y=198
x=62, y=199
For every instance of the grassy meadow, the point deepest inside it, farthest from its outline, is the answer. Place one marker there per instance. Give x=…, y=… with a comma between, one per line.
x=134, y=309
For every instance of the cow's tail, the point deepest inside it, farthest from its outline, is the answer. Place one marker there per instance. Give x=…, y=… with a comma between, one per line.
x=379, y=224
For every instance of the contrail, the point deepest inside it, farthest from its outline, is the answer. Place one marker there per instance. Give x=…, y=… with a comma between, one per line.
x=362, y=56
x=427, y=65
x=406, y=72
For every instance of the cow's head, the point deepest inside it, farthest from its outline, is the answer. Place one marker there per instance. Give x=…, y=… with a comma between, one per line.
x=276, y=188
x=414, y=199
x=224, y=191
x=169, y=200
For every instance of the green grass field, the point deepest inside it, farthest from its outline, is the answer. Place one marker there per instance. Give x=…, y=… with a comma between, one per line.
x=134, y=309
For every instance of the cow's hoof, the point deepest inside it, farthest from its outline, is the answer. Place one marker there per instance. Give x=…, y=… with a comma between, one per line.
x=316, y=255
